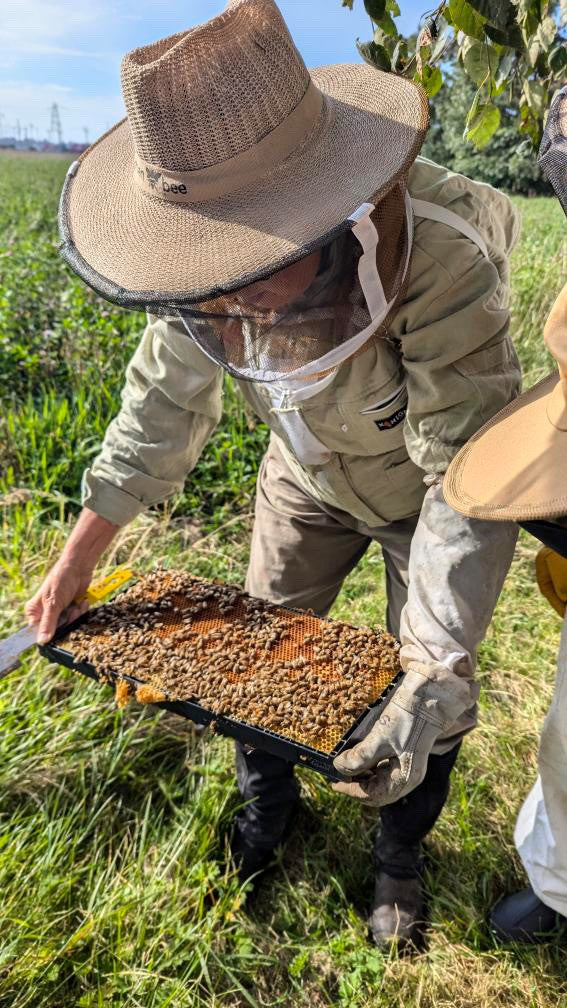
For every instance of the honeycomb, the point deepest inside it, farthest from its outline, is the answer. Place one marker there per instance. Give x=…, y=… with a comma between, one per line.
x=281, y=670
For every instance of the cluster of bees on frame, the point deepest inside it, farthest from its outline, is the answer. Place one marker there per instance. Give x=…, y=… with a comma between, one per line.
x=282, y=670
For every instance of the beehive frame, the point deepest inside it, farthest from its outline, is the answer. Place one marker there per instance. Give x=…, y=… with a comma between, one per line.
x=315, y=748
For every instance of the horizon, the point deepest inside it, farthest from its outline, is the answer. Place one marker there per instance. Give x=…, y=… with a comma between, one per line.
x=70, y=53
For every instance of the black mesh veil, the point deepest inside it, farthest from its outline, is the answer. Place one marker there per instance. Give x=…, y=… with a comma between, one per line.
x=552, y=156
x=258, y=341
x=258, y=333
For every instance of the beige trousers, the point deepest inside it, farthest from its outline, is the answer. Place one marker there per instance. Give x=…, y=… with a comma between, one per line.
x=302, y=550
x=541, y=830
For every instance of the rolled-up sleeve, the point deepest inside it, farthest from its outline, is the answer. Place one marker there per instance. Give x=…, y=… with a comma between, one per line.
x=171, y=403
x=460, y=363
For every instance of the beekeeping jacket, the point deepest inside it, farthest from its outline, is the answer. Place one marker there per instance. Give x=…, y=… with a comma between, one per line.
x=392, y=416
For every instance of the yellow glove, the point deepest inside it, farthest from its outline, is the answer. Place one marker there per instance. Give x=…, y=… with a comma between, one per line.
x=551, y=574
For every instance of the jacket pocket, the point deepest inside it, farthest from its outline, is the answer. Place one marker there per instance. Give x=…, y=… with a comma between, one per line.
x=391, y=486
x=406, y=481
x=495, y=373
x=384, y=403
x=497, y=356
x=373, y=424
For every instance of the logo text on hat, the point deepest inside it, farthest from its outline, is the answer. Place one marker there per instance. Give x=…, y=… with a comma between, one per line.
x=178, y=187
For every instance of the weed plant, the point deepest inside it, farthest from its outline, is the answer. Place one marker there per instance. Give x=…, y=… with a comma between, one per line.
x=114, y=886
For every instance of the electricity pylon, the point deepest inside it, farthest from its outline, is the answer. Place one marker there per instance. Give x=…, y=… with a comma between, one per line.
x=55, y=126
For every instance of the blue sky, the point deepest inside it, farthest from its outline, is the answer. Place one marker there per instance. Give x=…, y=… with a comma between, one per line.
x=69, y=51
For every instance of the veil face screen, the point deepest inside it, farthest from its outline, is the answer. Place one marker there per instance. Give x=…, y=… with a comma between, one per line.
x=264, y=344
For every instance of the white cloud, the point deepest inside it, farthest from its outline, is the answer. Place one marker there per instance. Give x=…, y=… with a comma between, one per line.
x=60, y=28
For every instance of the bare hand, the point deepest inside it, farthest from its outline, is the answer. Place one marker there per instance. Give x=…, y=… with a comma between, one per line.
x=70, y=577
x=67, y=581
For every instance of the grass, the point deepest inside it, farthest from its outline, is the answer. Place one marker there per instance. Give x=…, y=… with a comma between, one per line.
x=114, y=886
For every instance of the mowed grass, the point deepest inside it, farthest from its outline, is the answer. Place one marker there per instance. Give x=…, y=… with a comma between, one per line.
x=114, y=885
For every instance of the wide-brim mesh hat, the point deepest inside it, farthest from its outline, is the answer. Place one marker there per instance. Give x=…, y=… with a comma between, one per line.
x=233, y=162
x=514, y=468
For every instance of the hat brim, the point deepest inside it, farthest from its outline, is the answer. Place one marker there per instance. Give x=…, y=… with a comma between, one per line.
x=142, y=251
x=513, y=468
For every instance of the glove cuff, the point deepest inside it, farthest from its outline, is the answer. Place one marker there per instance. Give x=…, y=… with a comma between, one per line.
x=435, y=693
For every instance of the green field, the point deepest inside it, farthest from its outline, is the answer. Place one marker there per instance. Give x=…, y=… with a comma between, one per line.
x=114, y=888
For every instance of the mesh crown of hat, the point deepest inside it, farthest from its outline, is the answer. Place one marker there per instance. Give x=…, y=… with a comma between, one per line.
x=204, y=95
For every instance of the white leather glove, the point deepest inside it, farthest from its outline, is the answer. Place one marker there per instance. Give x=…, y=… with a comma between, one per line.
x=428, y=700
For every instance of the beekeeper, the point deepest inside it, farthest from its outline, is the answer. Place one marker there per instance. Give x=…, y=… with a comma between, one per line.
x=514, y=468
x=277, y=224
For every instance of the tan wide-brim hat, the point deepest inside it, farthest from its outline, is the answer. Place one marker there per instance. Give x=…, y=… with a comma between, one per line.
x=515, y=467
x=234, y=161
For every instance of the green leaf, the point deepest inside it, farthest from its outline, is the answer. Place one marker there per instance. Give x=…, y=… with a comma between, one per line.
x=387, y=41
x=387, y=25
x=480, y=61
x=500, y=13
x=400, y=55
x=431, y=79
x=393, y=7
x=534, y=50
x=424, y=54
x=482, y=124
x=298, y=963
x=466, y=19
x=546, y=33
x=530, y=125
x=505, y=67
x=536, y=97
x=375, y=9
x=510, y=36
x=531, y=18
x=374, y=55
x=558, y=58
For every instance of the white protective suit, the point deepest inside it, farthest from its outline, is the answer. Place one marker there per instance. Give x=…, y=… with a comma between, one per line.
x=541, y=829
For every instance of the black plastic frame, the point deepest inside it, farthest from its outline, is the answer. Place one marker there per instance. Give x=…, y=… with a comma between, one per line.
x=257, y=738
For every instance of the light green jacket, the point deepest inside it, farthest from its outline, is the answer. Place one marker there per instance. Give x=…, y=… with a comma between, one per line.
x=449, y=347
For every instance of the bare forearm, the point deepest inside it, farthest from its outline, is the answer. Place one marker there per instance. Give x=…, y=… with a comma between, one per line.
x=90, y=537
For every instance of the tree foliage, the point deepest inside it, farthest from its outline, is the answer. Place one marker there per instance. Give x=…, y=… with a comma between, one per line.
x=508, y=162
x=514, y=47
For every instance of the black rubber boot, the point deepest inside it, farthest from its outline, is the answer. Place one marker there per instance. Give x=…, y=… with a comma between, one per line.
x=397, y=914
x=398, y=907
x=268, y=785
x=522, y=917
